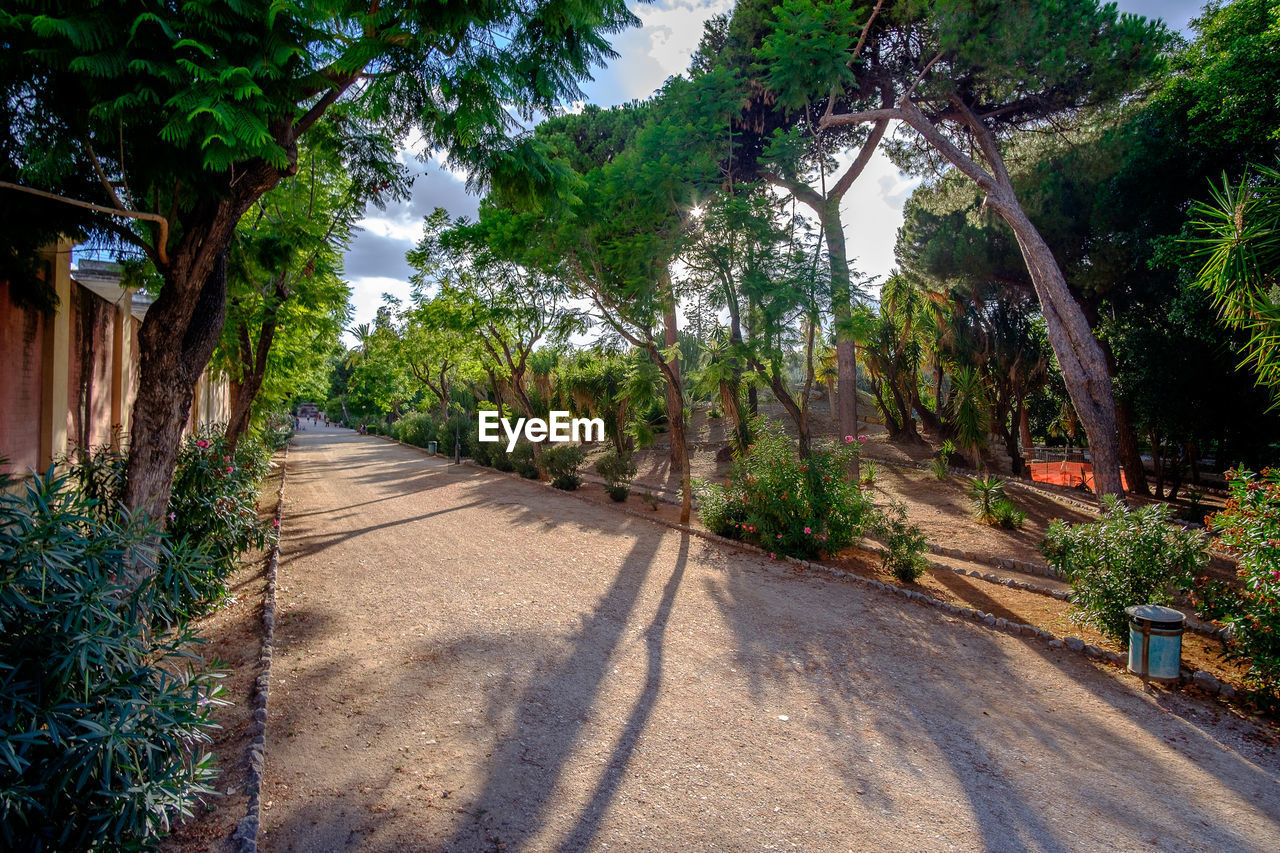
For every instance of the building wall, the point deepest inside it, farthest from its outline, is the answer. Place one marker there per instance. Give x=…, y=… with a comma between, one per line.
x=21, y=382
x=89, y=370
x=68, y=379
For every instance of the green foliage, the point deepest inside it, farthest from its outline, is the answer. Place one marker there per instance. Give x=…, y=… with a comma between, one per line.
x=214, y=507
x=868, y=473
x=939, y=467
x=277, y=431
x=1248, y=528
x=102, y=716
x=1239, y=240
x=617, y=471
x=1008, y=516
x=1128, y=557
x=905, y=544
x=561, y=462
x=784, y=504
x=986, y=493
x=417, y=428
x=522, y=462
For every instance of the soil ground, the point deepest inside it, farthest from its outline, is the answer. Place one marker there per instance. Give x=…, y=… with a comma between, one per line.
x=233, y=645
x=468, y=662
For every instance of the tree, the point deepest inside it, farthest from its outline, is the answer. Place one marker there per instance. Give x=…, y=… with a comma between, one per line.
x=286, y=301
x=484, y=292
x=1239, y=240
x=968, y=74
x=792, y=64
x=162, y=124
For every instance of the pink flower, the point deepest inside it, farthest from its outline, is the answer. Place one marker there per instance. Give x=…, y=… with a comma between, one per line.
x=848, y=438
x=822, y=536
x=230, y=469
x=226, y=459
x=807, y=530
x=779, y=535
x=202, y=444
x=862, y=438
x=275, y=522
x=752, y=529
x=172, y=516
x=772, y=556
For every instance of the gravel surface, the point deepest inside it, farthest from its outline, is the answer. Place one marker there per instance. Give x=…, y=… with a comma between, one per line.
x=468, y=662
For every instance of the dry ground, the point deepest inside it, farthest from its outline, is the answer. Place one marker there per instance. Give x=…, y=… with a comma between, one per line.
x=467, y=662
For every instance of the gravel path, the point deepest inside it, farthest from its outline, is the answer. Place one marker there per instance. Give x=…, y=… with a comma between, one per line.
x=466, y=662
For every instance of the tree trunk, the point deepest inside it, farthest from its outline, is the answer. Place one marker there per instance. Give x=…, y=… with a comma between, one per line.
x=1080, y=357
x=842, y=311
x=179, y=334
x=253, y=368
x=679, y=441
x=1024, y=429
x=175, y=344
x=242, y=397
x=670, y=337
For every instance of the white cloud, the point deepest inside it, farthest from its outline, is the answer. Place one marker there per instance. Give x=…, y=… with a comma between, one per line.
x=366, y=298
x=872, y=213
x=674, y=28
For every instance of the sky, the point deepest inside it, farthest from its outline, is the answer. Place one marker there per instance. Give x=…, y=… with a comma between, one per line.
x=660, y=47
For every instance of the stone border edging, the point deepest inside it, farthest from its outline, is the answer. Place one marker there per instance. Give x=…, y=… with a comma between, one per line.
x=245, y=836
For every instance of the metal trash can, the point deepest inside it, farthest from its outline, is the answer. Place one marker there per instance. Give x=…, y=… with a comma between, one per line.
x=1155, y=641
x=431, y=448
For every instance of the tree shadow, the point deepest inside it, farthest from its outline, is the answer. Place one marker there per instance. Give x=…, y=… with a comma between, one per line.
x=913, y=695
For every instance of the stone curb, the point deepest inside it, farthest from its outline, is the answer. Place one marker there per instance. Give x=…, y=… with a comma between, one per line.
x=1200, y=679
x=245, y=836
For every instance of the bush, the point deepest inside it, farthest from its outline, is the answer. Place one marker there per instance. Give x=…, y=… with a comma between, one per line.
x=214, y=506
x=784, y=505
x=278, y=431
x=904, y=544
x=1008, y=516
x=868, y=473
x=561, y=462
x=617, y=471
x=986, y=493
x=416, y=428
x=939, y=467
x=102, y=717
x=521, y=458
x=1248, y=528
x=1127, y=557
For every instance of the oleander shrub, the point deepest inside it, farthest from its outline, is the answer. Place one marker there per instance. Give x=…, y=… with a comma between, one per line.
x=522, y=461
x=784, y=504
x=1248, y=528
x=1127, y=557
x=277, y=431
x=103, y=716
x=904, y=543
x=561, y=463
x=214, y=506
x=617, y=471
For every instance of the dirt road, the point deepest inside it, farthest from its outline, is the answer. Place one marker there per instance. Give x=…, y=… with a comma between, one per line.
x=465, y=662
